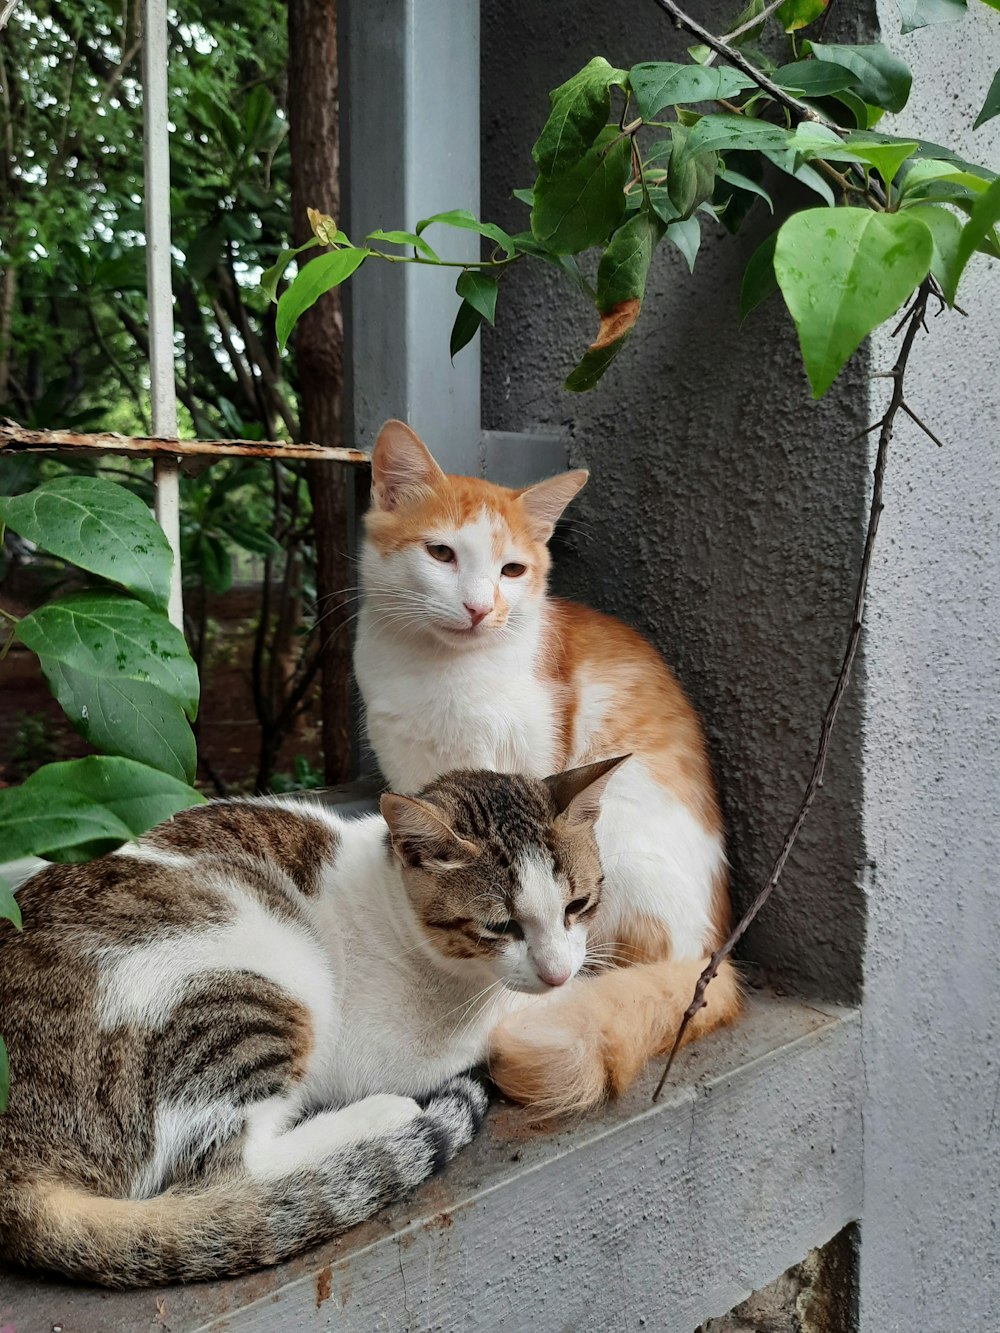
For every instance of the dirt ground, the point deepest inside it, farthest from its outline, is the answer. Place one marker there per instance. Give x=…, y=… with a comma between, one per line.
x=34, y=730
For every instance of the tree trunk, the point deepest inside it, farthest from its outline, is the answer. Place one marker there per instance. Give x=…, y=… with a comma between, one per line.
x=312, y=111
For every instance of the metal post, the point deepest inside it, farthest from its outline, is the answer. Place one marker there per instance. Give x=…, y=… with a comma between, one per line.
x=409, y=82
x=158, y=287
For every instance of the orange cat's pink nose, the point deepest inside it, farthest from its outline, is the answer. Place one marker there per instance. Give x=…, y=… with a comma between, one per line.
x=475, y=615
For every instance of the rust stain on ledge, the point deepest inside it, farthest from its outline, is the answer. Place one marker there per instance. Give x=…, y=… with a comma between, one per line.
x=324, y=1284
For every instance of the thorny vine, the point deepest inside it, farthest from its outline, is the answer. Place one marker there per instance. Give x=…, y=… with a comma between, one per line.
x=913, y=320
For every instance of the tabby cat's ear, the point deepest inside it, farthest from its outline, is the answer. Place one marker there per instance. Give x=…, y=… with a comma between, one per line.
x=545, y=502
x=421, y=835
x=578, y=791
x=402, y=466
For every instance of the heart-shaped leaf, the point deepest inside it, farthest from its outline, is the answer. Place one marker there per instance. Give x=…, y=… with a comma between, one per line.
x=125, y=717
x=665, y=83
x=843, y=272
x=114, y=638
x=97, y=526
x=882, y=78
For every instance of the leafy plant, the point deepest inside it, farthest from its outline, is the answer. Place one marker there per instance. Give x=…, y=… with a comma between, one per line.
x=121, y=672
x=629, y=158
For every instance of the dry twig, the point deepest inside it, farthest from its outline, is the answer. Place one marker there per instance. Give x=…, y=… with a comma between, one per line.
x=912, y=323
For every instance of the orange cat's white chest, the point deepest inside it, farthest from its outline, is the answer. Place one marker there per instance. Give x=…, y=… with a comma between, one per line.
x=428, y=713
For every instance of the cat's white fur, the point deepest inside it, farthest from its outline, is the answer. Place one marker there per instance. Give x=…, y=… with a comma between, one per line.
x=389, y=1011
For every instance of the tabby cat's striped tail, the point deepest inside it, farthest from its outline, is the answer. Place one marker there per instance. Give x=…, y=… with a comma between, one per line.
x=238, y=1224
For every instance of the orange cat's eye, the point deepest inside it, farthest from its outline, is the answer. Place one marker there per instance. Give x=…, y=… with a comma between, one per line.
x=513, y=570
x=443, y=553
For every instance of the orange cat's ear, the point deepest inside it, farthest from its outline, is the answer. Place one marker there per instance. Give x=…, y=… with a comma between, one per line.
x=402, y=466
x=578, y=791
x=545, y=502
x=422, y=836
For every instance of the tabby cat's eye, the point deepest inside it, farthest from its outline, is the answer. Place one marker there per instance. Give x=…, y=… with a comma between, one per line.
x=509, y=928
x=577, y=907
x=440, y=552
x=513, y=570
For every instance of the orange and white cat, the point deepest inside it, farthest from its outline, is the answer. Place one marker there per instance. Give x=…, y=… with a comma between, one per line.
x=463, y=660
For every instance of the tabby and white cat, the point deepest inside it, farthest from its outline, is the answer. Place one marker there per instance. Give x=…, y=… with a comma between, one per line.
x=242, y=1033
x=463, y=659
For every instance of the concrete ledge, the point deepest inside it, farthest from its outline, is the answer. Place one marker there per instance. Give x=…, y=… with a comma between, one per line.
x=645, y=1216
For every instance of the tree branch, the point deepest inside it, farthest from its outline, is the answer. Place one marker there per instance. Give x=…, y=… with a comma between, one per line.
x=912, y=323
x=740, y=62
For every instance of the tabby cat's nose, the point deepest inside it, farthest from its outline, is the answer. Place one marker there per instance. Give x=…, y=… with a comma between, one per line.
x=475, y=614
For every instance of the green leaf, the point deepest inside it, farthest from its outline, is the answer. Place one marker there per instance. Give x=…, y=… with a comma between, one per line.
x=465, y=328
x=83, y=808
x=975, y=234
x=883, y=78
x=863, y=115
x=843, y=272
x=403, y=238
x=526, y=244
x=106, y=635
x=466, y=221
x=741, y=182
x=759, y=281
x=125, y=717
x=991, y=107
x=946, y=230
x=523, y=196
x=814, y=78
x=686, y=235
x=580, y=110
x=920, y=13
x=247, y=535
x=101, y=527
x=480, y=290
x=886, y=158
x=584, y=205
x=9, y=910
x=791, y=163
x=624, y=266
x=311, y=282
x=690, y=173
x=929, y=178
x=666, y=83
x=594, y=363
x=259, y=113
x=4, y=1078
x=721, y=132
x=796, y=14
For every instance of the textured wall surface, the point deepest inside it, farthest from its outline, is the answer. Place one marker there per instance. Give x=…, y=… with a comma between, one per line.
x=723, y=516
x=932, y=777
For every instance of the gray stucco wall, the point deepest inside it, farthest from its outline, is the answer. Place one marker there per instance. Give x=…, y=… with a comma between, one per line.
x=723, y=515
x=931, y=1253
x=725, y=518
